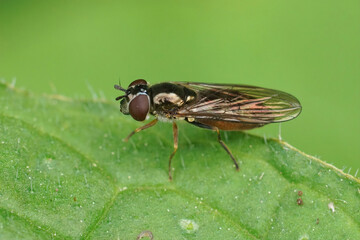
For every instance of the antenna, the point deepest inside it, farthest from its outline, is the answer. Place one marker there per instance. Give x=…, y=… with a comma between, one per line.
x=119, y=87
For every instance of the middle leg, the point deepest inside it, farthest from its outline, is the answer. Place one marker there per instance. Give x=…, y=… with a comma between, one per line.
x=176, y=139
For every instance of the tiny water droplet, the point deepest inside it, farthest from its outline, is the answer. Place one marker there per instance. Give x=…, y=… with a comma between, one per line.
x=190, y=226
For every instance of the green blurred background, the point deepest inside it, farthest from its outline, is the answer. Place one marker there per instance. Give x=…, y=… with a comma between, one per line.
x=308, y=48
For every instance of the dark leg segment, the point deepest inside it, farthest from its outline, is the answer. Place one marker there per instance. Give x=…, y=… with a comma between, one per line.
x=225, y=147
x=176, y=138
x=150, y=124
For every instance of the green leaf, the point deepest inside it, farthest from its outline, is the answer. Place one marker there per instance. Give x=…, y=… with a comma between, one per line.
x=66, y=173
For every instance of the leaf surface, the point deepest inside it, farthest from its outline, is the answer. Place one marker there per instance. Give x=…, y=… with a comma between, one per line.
x=66, y=173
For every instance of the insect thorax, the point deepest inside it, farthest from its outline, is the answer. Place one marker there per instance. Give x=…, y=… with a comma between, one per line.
x=168, y=98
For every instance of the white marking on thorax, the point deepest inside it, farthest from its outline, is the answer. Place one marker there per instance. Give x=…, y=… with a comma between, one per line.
x=168, y=97
x=166, y=119
x=189, y=98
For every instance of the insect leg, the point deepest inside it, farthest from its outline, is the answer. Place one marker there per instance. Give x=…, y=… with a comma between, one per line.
x=176, y=138
x=150, y=124
x=225, y=147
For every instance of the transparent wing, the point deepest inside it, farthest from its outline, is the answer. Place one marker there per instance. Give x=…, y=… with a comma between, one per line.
x=239, y=103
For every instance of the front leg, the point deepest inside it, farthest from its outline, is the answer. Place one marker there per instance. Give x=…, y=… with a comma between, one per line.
x=150, y=124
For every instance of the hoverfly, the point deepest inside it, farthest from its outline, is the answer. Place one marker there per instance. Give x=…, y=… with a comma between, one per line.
x=216, y=107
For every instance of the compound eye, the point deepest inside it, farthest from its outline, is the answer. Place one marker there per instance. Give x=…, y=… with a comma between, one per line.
x=138, y=82
x=139, y=107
